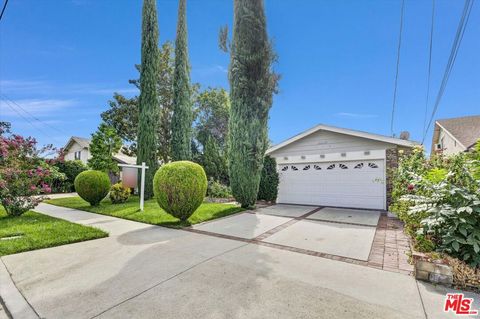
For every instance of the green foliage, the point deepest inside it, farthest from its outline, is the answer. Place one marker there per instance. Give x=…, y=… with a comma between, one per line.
x=182, y=104
x=71, y=169
x=105, y=143
x=439, y=201
x=215, y=161
x=124, y=112
x=148, y=101
x=56, y=179
x=216, y=189
x=423, y=244
x=268, y=189
x=119, y=194
x=436, y=175
x=180, y=188
x=212, y=108
x=92, y=186
x=252, y=84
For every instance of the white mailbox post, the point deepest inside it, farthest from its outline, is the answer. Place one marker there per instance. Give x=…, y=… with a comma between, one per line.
x=143, y=167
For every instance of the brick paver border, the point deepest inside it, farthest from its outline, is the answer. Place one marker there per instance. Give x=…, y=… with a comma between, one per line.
x=389, y=251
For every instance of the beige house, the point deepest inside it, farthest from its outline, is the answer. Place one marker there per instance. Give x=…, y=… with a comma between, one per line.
x=332, y=166
x=452, y=136
x=78, y=148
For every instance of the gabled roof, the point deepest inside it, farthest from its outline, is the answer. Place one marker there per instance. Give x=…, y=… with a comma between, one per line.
x=322, y=127
x=466, y=129
x=82, y=141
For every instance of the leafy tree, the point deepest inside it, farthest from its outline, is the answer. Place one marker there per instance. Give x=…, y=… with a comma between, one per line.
x=214, y=161
x=182, y=104
x=123, y=112
x=212, y=108
x=148, y=101
x=105, y=143
x=252, y=84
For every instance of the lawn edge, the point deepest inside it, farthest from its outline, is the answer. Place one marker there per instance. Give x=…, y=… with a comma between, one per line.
x=171, y=226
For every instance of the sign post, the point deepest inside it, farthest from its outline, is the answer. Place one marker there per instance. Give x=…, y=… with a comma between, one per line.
x=143, y=167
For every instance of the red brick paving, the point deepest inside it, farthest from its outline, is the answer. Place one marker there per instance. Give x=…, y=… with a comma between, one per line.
x=390, y=247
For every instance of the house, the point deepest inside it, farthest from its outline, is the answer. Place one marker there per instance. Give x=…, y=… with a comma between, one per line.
x=331, y=166
x=452, y=136
x=77, y=148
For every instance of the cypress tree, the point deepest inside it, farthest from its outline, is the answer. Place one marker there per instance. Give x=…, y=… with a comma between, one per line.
x=252, y=84
x=182, y=105
x=148, y=101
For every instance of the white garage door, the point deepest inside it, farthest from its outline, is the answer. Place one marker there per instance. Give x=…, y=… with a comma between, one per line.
x=358, y=184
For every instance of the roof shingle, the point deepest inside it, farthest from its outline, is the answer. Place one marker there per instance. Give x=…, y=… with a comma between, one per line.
x=465, y=129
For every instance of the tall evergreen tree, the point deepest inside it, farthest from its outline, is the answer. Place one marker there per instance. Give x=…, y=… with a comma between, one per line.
x=252, y=84
x=182, y=104
x=148, y=120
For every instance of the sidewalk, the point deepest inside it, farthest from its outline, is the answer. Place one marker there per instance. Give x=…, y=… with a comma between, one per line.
x=144, y=271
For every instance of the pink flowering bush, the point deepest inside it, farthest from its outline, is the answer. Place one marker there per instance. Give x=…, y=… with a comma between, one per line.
x=23, y=174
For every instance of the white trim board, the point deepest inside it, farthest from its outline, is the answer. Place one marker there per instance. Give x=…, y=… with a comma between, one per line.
x=376, y=137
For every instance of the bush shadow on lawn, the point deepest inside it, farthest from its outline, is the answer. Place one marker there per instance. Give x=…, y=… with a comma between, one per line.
x=152, y=213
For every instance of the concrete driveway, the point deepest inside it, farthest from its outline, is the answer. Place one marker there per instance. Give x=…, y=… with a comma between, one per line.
x=144, y=271
x=338, y=232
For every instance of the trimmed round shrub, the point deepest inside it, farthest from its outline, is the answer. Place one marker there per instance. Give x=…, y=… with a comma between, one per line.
x=92, y=186
x=180, y=188
x=119, y=194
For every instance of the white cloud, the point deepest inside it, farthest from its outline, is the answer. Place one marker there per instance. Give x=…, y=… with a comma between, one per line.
x=36, y=107
x=39, y=87
x=356, y=115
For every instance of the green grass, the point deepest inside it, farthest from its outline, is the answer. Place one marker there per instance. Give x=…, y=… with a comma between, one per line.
x=40, y=231
x=152, y=213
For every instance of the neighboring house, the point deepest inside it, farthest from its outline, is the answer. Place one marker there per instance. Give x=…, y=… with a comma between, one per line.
x=333, y=166
x=452, y=136
x=77, y=148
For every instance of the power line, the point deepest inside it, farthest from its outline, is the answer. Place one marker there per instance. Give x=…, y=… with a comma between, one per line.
x=398, y=65
x=3, y=9
x=429, y=66
x=7, y=103
x=31, y=115
x=467, y=9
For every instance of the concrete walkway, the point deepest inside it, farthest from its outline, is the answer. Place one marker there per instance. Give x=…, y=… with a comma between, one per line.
x=144, y=271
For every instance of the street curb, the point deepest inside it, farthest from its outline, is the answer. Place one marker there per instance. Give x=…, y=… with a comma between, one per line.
x=14, y=302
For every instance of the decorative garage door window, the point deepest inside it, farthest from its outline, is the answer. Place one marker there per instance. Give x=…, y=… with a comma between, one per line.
x=294, y=168
x=332, y=166
x=372, y=165
x=343, y=166
x=306, y=168
x=359, y=166
x=317, y=167
x=284, y=168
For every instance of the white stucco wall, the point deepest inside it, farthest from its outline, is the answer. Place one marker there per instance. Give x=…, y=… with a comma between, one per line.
x=449, y=144
x=70, y=154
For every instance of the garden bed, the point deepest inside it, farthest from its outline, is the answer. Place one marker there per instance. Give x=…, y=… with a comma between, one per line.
x=152, y=213
x=438, y=199
x=32, y=231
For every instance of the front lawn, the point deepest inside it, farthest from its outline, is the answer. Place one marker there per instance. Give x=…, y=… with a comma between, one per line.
x=152, y=213
x=34, y=231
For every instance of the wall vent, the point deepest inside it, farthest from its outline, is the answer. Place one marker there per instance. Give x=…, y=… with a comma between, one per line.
x=303, y=157
x=285, y=158
x=366, y=153
x=343, y=154
x=322, y=156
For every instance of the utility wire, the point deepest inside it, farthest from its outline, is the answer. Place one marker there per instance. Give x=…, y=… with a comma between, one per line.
x=429, y=66
x=7, y=103
x=467, y=9
x=398, y=65
x=5, y=98
x=3, y=9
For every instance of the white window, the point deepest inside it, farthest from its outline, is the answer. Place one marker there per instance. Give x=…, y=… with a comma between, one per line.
x=78, y=155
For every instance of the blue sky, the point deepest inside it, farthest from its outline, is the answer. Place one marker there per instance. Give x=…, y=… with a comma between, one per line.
x=61, y=60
